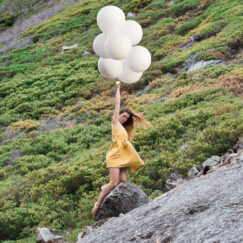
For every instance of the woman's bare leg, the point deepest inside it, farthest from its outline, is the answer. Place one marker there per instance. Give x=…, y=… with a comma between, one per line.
x=114, y=181
x=123, y=174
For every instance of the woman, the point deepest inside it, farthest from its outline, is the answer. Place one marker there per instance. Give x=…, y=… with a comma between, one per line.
x=121, y=154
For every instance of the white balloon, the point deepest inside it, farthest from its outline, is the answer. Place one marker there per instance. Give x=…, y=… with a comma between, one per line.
x=133, y=30
x=118, y=46
x=127, y=75
x=110, y=19
x=139, y=59
x=98, y=45
x=110, y=68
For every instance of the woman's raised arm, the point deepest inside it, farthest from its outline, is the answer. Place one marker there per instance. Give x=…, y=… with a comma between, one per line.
x=115, y=118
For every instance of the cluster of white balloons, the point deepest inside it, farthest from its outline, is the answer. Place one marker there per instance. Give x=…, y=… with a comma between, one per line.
x=116, y=46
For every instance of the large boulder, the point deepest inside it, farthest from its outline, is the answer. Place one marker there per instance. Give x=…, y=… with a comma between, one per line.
x=203, y=209
x=122, y=199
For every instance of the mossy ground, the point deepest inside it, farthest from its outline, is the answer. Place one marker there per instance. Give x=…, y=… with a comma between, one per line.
x=57, y=179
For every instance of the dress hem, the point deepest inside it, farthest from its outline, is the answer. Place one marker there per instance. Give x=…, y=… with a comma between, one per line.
x=116, y=166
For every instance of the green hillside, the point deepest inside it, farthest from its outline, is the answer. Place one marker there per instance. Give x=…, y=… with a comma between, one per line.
x=57, y=178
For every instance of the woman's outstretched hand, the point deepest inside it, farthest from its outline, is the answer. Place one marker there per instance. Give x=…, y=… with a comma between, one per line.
x=118, y=84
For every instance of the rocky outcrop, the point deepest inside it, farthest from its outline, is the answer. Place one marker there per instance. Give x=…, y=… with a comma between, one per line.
x=189, y=43
x=192, y=64
x=204, y=209
x=41, y=11
x=89, y=229
x=45, y=235
x=202, y=63
x=122, y=199
x=232, y=156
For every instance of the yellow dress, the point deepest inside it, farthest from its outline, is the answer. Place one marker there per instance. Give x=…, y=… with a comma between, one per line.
x=121, y=152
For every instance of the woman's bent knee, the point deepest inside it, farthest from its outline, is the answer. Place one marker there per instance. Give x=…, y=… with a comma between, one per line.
x=115, y=183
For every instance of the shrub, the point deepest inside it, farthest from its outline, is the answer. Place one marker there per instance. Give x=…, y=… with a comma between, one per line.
x=184, y=28
x=137, y=5
x=182, y=7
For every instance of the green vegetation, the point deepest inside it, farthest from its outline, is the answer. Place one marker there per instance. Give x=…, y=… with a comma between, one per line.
x=6, y=20
x=181, y=7
x=57, y=179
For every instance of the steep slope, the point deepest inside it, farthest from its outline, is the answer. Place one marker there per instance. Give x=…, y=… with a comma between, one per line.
x=55, y=109
x=17, y=16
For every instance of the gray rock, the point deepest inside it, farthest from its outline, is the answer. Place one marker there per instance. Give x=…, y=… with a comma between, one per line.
x=191, y=64
x=122, y=199
x=131, y=15
x=213, y=161
x=174, y=180
x=189, y=44
x=240, y=159
x=86, y=230
x=237, y=147
x=85, y=53
x=89, y=229
x=222, y=159
x=66, y=48
x=216, y=158
x=232, y=155
x=203, y=63
x=195, y=171
x=44, y=235
x=230, y=151
x=205, y=209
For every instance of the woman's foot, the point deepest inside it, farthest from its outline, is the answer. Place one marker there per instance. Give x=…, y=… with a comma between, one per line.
x=95, y=209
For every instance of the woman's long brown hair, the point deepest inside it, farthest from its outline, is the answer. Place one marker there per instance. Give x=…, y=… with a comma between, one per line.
x=134, y=119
